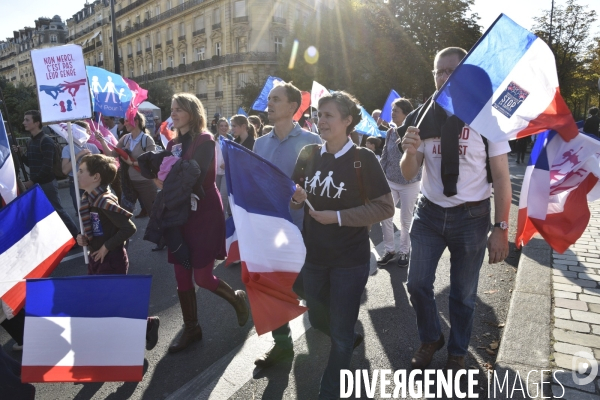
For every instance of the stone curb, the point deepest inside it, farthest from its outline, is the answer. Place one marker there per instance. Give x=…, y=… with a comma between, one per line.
x=525, y=345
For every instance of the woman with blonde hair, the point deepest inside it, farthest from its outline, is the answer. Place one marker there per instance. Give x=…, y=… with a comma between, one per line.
x=243, y=131
x=204, y=231
x=134, y=185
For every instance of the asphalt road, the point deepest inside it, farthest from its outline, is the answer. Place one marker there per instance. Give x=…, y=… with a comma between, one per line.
x=386, y=319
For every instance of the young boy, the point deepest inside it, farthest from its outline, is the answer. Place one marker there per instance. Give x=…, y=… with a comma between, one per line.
x=106, y=225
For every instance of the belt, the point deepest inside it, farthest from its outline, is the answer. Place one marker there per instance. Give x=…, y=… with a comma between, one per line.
x=464, y=205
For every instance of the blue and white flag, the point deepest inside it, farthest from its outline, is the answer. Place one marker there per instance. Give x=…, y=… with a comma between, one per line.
x=507, y=86
x=8, y=176
x=367, y=125
x=260, y=104
x=111, y=95
x=263, y=238
x=86, y=328
x=386, y=111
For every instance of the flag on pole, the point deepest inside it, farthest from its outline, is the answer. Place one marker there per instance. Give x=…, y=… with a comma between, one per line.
x=86, y=328
x=260, y=104
x=138, y=96
x=111, y=95
x=241, y=111
x=166, y=132
x=8, y=176
x=266, y=240
x=386, y=111
x=80, y=136
x=507, y=86
x=303, y=106
x=33, y=240
x=560, y=179
x=367, y=125
x=316, y=93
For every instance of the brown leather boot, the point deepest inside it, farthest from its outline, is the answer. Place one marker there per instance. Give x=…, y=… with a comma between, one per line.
x=424, y=355
x=191, y=331
x=237, y=299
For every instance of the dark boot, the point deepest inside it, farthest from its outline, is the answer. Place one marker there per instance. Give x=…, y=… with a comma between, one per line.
x=237, y=299
x=191, y=331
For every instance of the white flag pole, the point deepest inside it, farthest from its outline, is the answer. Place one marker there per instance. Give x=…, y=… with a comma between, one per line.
x=76, y=183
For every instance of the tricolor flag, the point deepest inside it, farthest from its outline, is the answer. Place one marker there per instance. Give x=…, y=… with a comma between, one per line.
x=560, y=180
x=138, y=96
x=8, y=176
x=303, y=106
x=266, y=240
x=386, y=111
x=316, y=93
x=507, y=86
x=85, y=329
x=33, y=240
x=166, y=132
x=260, y=104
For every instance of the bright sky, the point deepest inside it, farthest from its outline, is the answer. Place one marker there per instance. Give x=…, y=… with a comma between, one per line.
x=17, y=16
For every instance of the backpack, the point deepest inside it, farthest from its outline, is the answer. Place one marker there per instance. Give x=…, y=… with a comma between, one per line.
x=144, y=141
x=57, y=160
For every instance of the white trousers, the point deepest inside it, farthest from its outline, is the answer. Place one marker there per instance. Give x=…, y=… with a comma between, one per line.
x=407, y=194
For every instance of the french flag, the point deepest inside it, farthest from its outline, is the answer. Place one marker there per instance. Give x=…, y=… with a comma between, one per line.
x=560, y=180
x=85, y=329
x=166, y=132
x=507, y=86
x=8, y=177
x=33, y=240
x=263, y=238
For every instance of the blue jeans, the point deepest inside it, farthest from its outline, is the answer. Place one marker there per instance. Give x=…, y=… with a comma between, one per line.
x=463, y=229
x=333, y=300
x=51, y=191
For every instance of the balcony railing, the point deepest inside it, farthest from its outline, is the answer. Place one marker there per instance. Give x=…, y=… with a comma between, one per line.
x=88, y=29
x=158, y=18
x=181, y=38
x=89, y=48
x=7, y=56
x=240, y=19
x=148, y=49
x=129, y=55
x=209, y=63
x=202, y=96
x=219, y=94
x=216, y=26
x=169, y=42
x=158, y=46
x=23, y=62
x=279, y=20
x=100, y=63
x=11, y=66
x=139, y=53
x=99, y=43
x=199, y=32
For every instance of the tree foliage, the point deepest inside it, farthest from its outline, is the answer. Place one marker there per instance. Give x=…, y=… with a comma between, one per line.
x=160, y=94
x=369, y=48
x=19, y=98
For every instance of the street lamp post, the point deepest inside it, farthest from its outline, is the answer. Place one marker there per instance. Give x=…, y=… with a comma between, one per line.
x=116, y=61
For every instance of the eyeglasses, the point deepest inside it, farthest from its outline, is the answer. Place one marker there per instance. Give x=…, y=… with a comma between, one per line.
x=441, y=72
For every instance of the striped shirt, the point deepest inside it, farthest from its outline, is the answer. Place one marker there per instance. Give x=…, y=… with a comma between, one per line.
x=40, y=158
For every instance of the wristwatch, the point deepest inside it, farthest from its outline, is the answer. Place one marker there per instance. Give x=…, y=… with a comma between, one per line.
x=502, y=225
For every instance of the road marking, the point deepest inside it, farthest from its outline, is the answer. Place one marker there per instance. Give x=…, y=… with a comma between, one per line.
x=227, y=375
x=68, y=258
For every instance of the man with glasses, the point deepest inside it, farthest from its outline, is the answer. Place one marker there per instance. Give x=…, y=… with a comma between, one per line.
x=459, y=168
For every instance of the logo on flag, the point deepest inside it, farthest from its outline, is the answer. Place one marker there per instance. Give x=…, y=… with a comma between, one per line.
x=85, y=329
x=33, y=240
x=263, y=237
x=510, y=100
x=110, y=93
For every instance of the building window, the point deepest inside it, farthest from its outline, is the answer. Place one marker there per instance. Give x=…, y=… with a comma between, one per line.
x=278, y=10
x=240, y=8
x=186, y=87
x=129, y=49
x=201, y=86
x=170, y=61
x=150, y=67
x=199, y=23
x=169, y=33
x=138, y=44
x=160, y=64
x=278, y=44
x=101, y=56
x=131, y=72
x=218, y=49
x=238, y=44
x=157, y=9
x=53, y=39
x=217, y=16
x=219, y=84
x=181, y=29
x=200, y=53
x=158, y=39
x=169, y=4
x=137, y=19
x=242, y=79
x=182, y=58
x=148, y=44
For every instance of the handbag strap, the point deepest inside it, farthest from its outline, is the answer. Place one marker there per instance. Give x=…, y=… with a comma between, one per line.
x=358, y=168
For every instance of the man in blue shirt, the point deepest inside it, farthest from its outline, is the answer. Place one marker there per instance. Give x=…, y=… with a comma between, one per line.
x=281, y=147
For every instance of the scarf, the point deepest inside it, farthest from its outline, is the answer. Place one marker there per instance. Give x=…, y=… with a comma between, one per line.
x=98, y=198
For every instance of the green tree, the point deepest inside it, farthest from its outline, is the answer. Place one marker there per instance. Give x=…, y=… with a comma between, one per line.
x=249, y=94
x=160, y=94
x=19, y=98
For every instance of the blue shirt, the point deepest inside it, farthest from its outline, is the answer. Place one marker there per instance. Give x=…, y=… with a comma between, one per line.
x=284, y=153
x=66, y=153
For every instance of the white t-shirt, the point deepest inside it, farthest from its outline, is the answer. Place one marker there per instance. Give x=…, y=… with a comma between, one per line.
x=472, y=182
x=114, y=130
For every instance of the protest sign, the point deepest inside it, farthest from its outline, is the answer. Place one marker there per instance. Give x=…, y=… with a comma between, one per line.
x=61, y=81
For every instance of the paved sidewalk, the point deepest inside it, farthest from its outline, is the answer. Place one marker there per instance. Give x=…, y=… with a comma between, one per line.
x=576, y=325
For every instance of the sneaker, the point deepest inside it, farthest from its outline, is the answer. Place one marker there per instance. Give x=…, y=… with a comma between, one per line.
x=387, y=257
x=403, y=260
x=274, y=356
x=17, y=347
x=424, y=355
x=152, y=332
